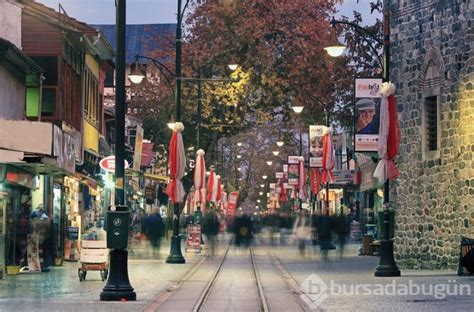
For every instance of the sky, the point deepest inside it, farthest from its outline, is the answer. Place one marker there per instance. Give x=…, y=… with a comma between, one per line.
x=158, y=11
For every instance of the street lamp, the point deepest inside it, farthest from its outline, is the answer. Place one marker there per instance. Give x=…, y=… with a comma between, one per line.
x=233, y=67
x=335, y=48
x=269, y=162
x=297, y=109
x=387, y=265
x=118, y=287
x=276, y=153
x=280, y=143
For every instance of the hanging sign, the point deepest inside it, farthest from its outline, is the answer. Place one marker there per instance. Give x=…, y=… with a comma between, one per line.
x=367, y=114
x=108, y=164
x=279, y=175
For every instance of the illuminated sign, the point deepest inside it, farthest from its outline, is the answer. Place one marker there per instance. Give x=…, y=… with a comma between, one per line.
x=108, y=164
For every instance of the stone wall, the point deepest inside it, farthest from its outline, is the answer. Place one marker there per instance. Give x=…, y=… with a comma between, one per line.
x=432, y=45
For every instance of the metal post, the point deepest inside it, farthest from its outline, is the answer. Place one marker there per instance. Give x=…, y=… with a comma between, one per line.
x=326, y=210
x=175, y=255
x=118, y=286
x=198, y=213
x=387, y=265
x=301, y=154
x=199, y=111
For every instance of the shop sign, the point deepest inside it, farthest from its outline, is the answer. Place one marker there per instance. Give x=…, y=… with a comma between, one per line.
x=279, y=175
x=72, y=232
x=64, y=150
x=150, y=194
x=16, y=176
x=137, y=156
x=344, y=176
x=108, y=163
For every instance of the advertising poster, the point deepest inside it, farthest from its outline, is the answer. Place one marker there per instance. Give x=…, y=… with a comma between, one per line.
x=367, y=114
x=293, y=170
x=232, y=203
x=193, y=240
x=316, y=146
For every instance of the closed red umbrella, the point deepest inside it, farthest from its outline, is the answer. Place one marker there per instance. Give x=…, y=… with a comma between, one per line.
x=177, y=164
x=302, y=179
x=218, y=190
x=329, y=159
x=283, y=194
x=389, y=135
x=199, y=178
x=212, y=187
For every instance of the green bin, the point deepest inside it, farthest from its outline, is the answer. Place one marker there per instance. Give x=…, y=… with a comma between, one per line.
x=381, y=227
x=117, y=227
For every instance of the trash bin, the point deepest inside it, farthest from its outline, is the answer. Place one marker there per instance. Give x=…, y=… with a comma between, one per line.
x=117, y=227
x=466, y=257
x=381, y=226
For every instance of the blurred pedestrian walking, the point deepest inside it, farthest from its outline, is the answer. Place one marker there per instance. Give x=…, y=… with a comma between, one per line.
x=210, y=228
x=154, y=228
x=302, y=230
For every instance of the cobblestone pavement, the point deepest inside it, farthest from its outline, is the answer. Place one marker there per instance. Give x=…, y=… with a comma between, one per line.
x=336, y=284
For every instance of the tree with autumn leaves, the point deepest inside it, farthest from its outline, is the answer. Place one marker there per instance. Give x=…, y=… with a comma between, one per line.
x=278, y=45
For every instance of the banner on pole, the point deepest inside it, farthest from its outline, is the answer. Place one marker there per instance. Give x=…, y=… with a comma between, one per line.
x=316, y=146
x=232, y=200
x=367, y=114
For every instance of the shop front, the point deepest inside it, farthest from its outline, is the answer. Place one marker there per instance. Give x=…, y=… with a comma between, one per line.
x=15, y=208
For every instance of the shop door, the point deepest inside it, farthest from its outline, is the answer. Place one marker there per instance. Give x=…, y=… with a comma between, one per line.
x=13, y=245
x=2, y=234
x=58, y=224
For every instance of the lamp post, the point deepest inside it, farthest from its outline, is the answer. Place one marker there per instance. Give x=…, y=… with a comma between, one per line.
x=387, y=265
x=175, y=255
x=298, y=110
x=118, y=286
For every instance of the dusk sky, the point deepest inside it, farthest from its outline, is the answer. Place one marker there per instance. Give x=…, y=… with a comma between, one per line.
x=155, y=11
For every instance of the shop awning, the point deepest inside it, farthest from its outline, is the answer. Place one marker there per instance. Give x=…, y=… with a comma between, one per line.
x=157, y=177
x=87, y=180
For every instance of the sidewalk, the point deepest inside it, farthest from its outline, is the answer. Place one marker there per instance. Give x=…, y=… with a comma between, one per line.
x=60, y=289
x=349, y=284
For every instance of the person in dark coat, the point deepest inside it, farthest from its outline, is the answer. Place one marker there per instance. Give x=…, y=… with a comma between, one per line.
x=210, y=228
x=243, y=231
x=324, y=229
x=154, y=227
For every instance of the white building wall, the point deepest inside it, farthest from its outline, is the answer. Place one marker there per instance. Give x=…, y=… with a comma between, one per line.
x=10, y=21
x=12, y=94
